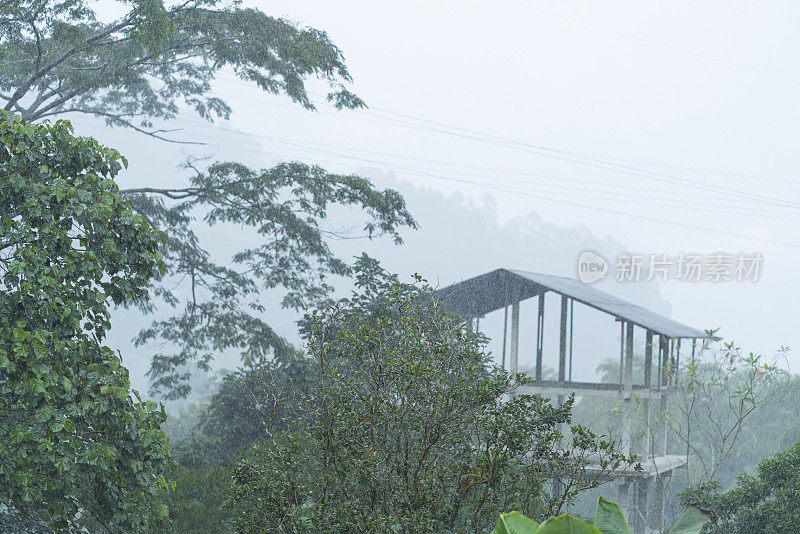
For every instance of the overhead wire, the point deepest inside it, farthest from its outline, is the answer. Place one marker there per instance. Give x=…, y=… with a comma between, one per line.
x=383, y=116
x=525, y=185
x=556, y=200
x=407, y=120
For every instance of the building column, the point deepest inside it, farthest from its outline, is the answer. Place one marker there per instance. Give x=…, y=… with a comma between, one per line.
x=540, y=337
x=627, y=383
x=661, y=484
x=513, y=359
x=623, y=497
x=562, y=372
x=638, y=514
x=648, y=369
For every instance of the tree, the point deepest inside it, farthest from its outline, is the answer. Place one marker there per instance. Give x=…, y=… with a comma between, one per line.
x=58, y=57
x=207, y=438
x=254, y=402
x=75, y=447
x=148, y=65
x=767, y=501
x=720, y=392
x=195, y=501
x=407, y=429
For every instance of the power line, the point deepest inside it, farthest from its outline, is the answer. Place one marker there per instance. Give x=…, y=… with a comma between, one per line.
x=567, y=202
x=627, y=188
x=590, y=161
x=569, y=156
x=708, y=171
x=562, y=189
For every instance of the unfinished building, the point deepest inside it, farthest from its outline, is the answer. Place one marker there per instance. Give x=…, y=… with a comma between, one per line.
x=505, y=289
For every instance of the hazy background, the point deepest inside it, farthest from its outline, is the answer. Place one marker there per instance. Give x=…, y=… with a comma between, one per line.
x=524, y=132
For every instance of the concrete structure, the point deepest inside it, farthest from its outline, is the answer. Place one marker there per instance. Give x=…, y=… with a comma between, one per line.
x=504, y=289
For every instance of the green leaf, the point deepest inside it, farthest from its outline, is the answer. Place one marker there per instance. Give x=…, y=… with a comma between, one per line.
x=162, y=511
x=608, y=518
x=515, y=523
x=109, y=246
x=566, y=524
x=62, y=464
x=691, y=522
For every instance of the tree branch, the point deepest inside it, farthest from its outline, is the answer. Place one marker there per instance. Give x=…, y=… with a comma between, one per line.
x=23, y=89
x=175, y=194
x=129, y=124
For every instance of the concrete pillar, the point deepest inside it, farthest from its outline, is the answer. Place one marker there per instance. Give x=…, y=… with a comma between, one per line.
x=513, y=359
x=505, y=337
x=637, y=517
x=662, y=425
x=562, y=346
x=623, y=497
x=661, y=434
x=540, y=337
x=648, y=367
x=661, y=481
x=562, y=349
x=562, y=373
x=627, y=383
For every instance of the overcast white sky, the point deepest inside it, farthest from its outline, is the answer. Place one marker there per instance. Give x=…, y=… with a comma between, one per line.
x=645, y=88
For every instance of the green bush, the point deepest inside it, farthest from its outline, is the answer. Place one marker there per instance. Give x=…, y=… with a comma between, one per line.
x=767, y=502
x=195, y=503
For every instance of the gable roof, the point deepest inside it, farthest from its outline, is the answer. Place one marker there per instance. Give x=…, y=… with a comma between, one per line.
x=499, y=288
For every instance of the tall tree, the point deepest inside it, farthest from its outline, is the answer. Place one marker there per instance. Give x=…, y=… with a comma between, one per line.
x=720, y=393
x=403, y=429
x=75, y=447
x=154, y=61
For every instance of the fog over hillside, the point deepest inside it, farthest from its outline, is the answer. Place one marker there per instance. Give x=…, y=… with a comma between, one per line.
x=462, y=234
x=461, y=237
x=458, y=237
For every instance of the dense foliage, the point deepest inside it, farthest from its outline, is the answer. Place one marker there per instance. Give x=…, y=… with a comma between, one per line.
x=287, y=208
x=767, y=501
x=75, y=446
x=406, y=431
x=153, y=62
x=194, y=499
x=254, y=402
x=59, y=56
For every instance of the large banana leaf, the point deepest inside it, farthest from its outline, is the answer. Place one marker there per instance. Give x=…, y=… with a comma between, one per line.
x=515, y=523
x=565, y=524
x=608, y=518
x=691, y=522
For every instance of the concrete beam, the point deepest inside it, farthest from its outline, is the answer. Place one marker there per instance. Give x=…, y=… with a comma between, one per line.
x=553, y=388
